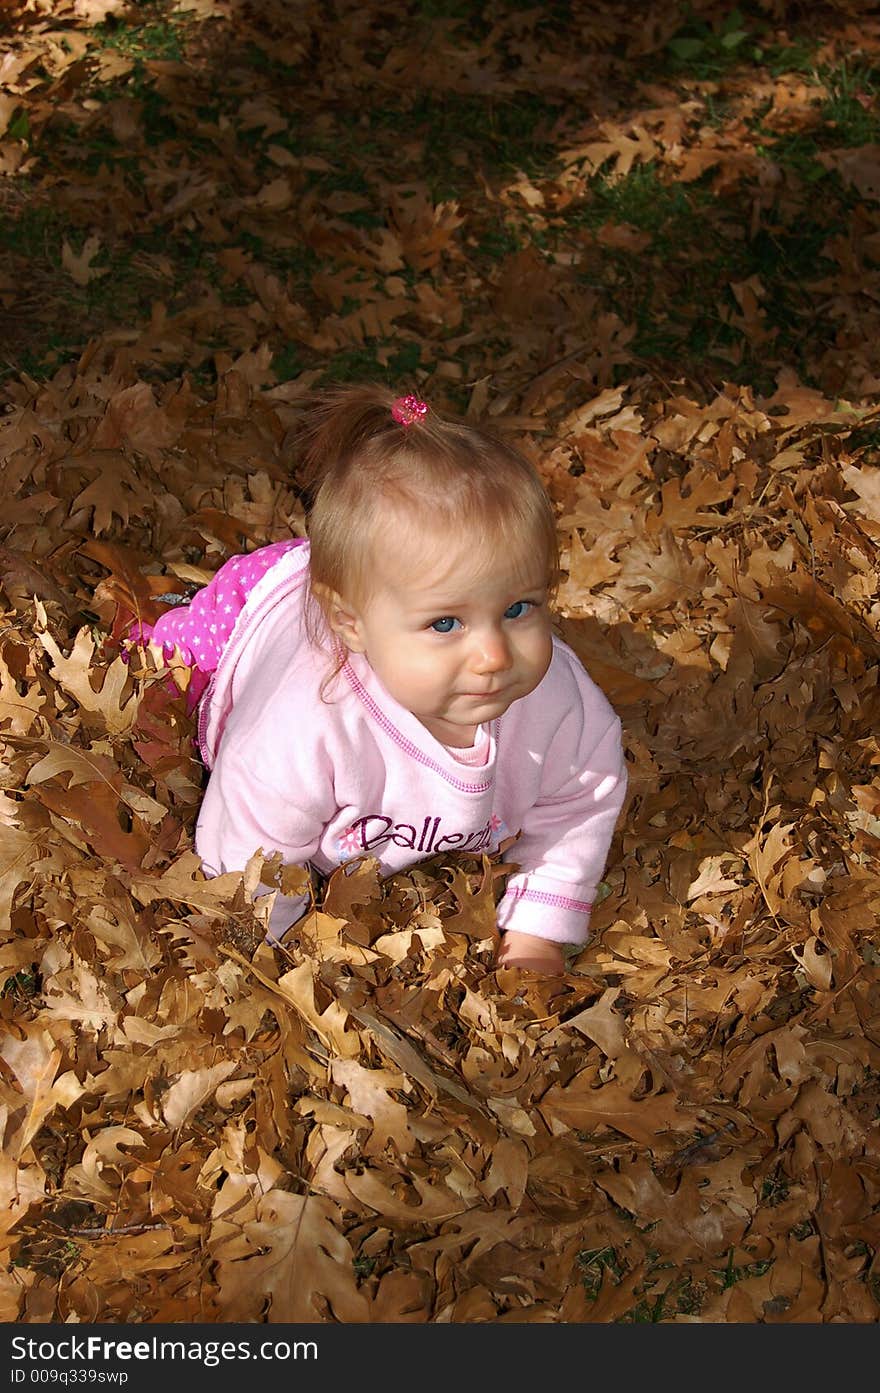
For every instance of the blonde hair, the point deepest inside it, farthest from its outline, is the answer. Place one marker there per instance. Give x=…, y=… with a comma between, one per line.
x=355, y=464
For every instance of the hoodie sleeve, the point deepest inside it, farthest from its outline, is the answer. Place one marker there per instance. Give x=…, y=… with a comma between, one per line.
x=566, y=834
x=270, y=794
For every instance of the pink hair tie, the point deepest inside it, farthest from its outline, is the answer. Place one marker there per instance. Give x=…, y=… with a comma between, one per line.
x=406, y=410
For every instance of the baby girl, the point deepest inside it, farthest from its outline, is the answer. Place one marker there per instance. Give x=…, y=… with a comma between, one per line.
x=392, y=686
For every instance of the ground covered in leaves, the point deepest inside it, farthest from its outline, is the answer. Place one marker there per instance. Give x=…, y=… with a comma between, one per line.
x=647, y=248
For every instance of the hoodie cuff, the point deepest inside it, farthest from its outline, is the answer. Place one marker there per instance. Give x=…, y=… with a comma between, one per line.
x=286, y=911
x=545, y=913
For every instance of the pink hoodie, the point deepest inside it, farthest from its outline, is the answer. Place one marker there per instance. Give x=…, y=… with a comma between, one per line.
x=325, y=780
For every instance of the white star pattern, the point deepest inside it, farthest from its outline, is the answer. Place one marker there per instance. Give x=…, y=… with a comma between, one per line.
x=199, y=630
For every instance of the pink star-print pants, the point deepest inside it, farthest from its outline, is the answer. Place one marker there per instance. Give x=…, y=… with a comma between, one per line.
x=198, y=631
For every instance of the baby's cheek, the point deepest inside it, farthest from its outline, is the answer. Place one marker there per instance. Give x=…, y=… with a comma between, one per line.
x=427, y=679
x=433, y=675
x=545, y=651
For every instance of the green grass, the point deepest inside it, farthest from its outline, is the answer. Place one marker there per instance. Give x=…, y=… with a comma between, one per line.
x=22, y=986
x=683, y=1294
x=498, y=136
x=732, y=1272
x=445, y=9
x=705, y=51
x=297, y=261
x=158, y=40
x=509, y=135
x=356, y=364
x=701, y=51
x=34, y=231
x=363, y=1267
x=645, y=201
x=853, y=121
x=593, y=1264
x=50, y=1257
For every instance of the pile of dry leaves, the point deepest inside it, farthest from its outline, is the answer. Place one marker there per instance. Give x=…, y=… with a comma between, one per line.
x=373, y=1124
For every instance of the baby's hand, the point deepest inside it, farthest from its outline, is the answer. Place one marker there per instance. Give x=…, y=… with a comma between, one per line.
x=536, y=954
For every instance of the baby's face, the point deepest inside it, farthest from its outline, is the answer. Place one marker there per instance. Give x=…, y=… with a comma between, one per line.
x=453, y=640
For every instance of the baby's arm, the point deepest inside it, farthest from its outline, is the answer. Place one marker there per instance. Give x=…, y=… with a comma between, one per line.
x=248, y=807
x=564, y=844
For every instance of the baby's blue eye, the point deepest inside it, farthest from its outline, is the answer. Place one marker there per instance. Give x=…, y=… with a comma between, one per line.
x=444, y=625
x=518, y=610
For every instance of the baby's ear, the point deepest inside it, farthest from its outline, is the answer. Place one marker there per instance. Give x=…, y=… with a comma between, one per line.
x=342, y=618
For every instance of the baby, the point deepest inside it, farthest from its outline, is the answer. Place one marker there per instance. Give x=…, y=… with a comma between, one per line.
x=392, y=687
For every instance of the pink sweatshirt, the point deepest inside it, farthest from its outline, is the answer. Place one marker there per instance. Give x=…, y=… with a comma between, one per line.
x=324, y=781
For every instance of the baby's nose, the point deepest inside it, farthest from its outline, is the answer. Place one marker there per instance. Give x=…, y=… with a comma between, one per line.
x=492, y=652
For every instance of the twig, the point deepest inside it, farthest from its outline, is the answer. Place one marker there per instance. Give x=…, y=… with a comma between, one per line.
x=696, y=1150
x=112, y=1233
